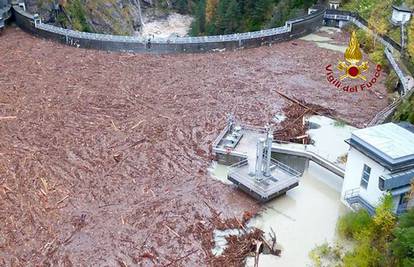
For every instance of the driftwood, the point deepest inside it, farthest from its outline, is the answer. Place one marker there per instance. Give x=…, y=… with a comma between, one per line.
x=274, y=252
x=8, y=118
x=297, y=102
x=307, y=108
x=173, y=263
x=257, y=253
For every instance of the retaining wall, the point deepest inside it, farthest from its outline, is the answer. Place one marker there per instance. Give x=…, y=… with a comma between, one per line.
x=292, y=29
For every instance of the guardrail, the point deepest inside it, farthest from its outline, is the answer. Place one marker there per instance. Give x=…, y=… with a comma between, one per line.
x=348, y=15
x=390, y=45
x=291, y=30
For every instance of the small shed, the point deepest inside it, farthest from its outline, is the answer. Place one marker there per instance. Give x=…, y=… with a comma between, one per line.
x=334, y=4
x=401, y=14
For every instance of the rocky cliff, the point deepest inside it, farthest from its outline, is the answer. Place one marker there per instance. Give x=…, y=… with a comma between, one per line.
x=123, y=17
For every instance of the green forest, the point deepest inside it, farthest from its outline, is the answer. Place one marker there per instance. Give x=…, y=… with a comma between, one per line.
x=212, y=17
x=383, y=240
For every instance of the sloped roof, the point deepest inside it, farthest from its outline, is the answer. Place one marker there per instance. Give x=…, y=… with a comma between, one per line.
x=391, y=144
x=403, y=8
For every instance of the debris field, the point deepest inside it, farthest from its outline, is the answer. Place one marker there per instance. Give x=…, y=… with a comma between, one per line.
x=104, y=156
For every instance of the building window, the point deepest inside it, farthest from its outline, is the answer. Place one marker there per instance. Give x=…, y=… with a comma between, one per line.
x=365, y=176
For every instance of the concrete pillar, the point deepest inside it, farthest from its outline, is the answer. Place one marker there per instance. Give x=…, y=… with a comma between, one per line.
x=269, y=141
x=230, y=121
x=259, y=158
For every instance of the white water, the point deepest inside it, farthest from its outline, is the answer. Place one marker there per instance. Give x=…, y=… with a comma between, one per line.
x=172, y=26
x=219, y=172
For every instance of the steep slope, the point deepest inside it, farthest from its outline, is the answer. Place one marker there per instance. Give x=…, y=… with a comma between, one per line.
x=121, y=17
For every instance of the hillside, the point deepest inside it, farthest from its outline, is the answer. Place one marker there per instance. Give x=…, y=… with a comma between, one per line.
x=231, y=16
x=378, y=14
x=122, y=17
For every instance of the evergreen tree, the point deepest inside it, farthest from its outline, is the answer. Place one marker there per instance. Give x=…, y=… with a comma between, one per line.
x=232, y=17
x=261, y=13
x=220, y=17
x=198, y=26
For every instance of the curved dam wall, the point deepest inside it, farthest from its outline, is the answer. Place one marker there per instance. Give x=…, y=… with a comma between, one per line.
x=291, y=30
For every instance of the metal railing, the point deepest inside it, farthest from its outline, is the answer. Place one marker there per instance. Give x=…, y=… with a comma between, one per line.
x=381, y=116
x=360, y=22
x=173, y=40
x=351, y=193
x=308, y=152
x=220, y=136
x=352, y=196
x=284, y=167
x=170, y=40
x=274, y=164
x=389, y=44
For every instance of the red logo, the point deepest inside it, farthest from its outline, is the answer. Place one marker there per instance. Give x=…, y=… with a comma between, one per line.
x=352, y=70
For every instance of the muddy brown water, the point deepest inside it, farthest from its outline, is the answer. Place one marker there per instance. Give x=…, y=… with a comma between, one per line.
x=106, y=159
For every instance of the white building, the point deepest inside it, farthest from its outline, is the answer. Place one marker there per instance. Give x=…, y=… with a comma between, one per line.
x=380, y=160
x=400, y=14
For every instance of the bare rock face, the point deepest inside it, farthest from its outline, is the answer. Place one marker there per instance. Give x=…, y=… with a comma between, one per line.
x=121, y=17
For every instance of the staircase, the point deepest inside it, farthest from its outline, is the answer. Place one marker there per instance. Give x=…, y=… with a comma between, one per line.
x=353, y=198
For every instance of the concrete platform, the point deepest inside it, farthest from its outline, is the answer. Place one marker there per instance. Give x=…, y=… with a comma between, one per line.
x=245, y=145
x=282, y=178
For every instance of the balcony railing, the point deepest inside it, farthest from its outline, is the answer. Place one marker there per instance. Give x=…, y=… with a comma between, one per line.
x=401, y=208
x=353, y=197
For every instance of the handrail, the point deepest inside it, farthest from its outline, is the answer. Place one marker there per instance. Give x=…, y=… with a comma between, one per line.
x=285, y=167
x=220, y=136
x=311, y=156
x=351, y=193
